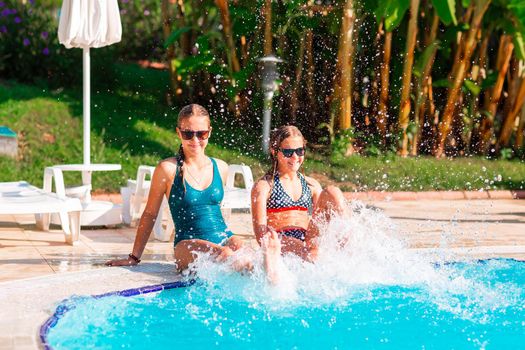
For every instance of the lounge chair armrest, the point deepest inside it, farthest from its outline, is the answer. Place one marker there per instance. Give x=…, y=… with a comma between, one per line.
x=246, y=173
x=51, y=173
x=142, y=172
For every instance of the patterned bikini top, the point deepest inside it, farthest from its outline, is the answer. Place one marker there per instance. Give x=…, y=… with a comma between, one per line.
x=280, y=200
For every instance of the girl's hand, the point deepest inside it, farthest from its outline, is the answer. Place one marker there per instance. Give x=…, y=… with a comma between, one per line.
x=122, y=262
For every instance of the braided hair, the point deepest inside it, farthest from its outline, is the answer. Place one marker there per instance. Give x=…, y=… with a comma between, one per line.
x=279, y=135
x=191, y=110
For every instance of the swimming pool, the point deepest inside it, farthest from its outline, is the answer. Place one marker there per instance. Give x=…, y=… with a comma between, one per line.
x=477, y=305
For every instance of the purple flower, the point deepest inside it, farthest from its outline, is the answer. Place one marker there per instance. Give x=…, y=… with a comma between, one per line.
x=32, y=2
x=6, y=12
x=3, y=29
x=13, y=11
x=44, y=35
x=146, y=12
x=2, y=4
x=18, y=20
x=45, y=51
x=26, y=42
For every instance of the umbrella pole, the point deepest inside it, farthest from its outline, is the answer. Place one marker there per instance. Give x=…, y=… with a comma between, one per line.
x=87, y=102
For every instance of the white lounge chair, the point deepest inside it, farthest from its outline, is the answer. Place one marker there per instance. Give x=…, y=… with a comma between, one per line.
x=137, y=190
x=22, y=198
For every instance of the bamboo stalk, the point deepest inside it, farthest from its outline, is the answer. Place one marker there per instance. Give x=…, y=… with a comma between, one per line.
x=267, y=14
x=343, y=79
x=382, y=114
x=404, y=109
x=506, y=129
x=228, y=34
x=518, y=142
x=494, y=94
x=297, y=82
x=310, y=70
x=170, y=55
x=419, y=111
x=467, y=46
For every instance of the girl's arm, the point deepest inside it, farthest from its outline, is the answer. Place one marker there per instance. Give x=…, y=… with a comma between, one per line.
x=160, y=183
x=315, y=187
x=260, y=193
x=223, y=170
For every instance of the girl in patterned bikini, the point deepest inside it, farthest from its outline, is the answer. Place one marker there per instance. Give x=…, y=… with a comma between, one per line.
x=286, y=205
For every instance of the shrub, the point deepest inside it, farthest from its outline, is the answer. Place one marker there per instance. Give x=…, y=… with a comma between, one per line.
x=30, y=50
x=142, y=36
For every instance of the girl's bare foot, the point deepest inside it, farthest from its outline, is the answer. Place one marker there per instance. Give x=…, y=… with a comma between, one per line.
x=271, y=246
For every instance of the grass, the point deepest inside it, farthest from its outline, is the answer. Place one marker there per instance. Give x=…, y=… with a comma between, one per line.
x=131, y=125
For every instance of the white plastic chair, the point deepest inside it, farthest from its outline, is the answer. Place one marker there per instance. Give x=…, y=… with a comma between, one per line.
x=137, y=190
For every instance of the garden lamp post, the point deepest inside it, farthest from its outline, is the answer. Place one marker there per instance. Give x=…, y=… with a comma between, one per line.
x=269, y=76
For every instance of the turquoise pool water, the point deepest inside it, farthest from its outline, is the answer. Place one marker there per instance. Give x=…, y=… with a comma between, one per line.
x=476, y=305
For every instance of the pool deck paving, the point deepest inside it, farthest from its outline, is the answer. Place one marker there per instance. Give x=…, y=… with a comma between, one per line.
x=38, y=269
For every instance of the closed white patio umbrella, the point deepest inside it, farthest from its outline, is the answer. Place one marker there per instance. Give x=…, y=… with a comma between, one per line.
x=85, y=24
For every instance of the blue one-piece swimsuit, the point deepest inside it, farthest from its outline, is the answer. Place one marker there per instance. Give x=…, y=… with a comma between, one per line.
x=197, y=214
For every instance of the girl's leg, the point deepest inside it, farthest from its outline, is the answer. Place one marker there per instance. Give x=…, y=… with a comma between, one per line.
x=295, y=246
x=234, y=242
x=331, y=202
x=185, y=251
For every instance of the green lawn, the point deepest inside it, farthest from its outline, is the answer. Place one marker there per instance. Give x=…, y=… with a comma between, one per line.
x=131, y=125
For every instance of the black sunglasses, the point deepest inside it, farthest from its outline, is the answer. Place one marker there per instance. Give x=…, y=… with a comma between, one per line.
x=190, y=134
x=288, y=152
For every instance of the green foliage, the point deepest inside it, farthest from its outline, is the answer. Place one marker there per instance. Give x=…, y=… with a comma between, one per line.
x=471, y=86
x=423, y=59
x=29, y=49
x=142, y=35
x=392, y=11
x=343, y=139
x=175, y=35
x=446, y=10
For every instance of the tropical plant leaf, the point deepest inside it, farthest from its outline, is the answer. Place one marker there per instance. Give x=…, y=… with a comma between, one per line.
x=446, y=10
x=422, y=60
x=465, y=3
x=519, y=45
x=490, y=80
x=471, y=86
x=441, y=83
x=392, y=11
x=175, y=35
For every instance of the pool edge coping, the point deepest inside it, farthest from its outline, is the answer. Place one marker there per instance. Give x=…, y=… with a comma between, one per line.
x=62, y=309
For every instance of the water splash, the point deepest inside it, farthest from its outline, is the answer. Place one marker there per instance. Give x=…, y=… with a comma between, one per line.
x=359, y=256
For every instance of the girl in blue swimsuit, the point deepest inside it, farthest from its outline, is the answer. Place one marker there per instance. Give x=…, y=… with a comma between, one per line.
x=286, y=205
x=193, y=185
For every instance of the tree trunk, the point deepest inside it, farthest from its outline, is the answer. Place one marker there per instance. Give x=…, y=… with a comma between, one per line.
x=404, y=108
x=294, y=105
x=267, y=13
x=228, y=34
x=466, y=47
x=310, y=71
x=343, y=76
x=518, y=142
x=382, y=113
x=167, y=23
x=493, y=95
x=510, y=119
x=423, y=83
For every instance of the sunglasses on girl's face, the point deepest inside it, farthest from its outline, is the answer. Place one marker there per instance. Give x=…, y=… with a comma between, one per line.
x=190, y=134
x=288, y=152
